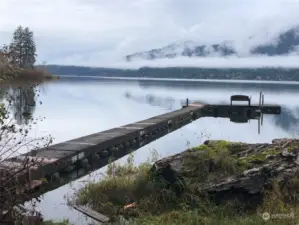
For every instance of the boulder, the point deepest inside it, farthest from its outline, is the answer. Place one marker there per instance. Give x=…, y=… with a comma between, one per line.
x=225, y=170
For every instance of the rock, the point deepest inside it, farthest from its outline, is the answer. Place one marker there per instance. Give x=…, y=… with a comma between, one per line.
x=228, y=169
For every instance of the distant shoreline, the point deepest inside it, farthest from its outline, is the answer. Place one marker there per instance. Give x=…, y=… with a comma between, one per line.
x=179, y=79
x=176, y=73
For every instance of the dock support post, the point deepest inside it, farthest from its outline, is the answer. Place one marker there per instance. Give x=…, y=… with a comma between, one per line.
x=260, y=100
x=262, y=115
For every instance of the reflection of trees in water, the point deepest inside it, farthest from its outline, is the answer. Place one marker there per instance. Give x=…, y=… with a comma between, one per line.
x=22, y=98
x=2, y=94
x=22, y=102
x=288, y=120
x=163, y=102
x=212, y=85
x=168, y=103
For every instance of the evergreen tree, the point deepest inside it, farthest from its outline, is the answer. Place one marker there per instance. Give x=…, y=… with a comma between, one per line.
x=23, y=48
x=16, y=47
x=29, y=48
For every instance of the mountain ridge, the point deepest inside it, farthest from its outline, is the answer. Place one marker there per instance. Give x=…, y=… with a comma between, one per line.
x=285, y=43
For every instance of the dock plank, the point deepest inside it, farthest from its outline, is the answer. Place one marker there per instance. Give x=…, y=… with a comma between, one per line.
x=153, y=120
x=70, y=146
x=98, y=138
x=175, y=113
x=51, y=153
x=11, y=165
x=92, y=214
x=139, y=125
x=115, y=130
x=33, y=159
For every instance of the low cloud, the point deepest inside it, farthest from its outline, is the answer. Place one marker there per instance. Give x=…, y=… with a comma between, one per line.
x=94, y=32
x=290, y=61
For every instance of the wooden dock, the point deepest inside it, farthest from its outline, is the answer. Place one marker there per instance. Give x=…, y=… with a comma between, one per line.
x=75, y=158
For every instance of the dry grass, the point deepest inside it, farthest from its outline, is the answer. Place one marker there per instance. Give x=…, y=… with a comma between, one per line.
x=9, y=74
x=35, y=75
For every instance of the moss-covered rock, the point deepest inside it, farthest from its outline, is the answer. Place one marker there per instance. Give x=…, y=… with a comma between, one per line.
x=231, y=181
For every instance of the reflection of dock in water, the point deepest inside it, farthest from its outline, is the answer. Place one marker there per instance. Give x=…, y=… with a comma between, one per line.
x=75, y=158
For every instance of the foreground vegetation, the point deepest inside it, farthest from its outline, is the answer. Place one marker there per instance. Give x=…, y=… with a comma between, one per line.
x=184, y=201
x=51, y=222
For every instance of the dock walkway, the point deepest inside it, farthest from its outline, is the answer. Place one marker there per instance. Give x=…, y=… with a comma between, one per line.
x=64, y=162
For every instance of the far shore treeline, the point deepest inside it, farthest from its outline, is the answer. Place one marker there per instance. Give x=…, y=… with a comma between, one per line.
x=17, y=59
x=267, y=73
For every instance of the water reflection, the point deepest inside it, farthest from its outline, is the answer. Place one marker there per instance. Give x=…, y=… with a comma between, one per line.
x=210, y=85
x=23, y=104
x=2, y=94
x=22, y=101
x=166, y=103
x=289, y=119
x=169, y=103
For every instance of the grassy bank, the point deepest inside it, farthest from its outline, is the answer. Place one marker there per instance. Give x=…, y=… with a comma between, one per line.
x=160, y=202
x=27, y=75
x=34, y=75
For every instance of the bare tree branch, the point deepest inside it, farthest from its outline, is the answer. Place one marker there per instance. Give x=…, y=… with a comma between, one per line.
x=15, y=139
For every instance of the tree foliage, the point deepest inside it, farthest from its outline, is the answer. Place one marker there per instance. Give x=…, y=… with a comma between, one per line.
x=7, y=71
x=22, y=48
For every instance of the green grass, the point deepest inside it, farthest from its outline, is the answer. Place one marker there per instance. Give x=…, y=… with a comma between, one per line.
x=262, y=156
x=51, y=222
x=158, y=201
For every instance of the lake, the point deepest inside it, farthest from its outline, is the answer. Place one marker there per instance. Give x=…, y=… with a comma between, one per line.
x=78, y=107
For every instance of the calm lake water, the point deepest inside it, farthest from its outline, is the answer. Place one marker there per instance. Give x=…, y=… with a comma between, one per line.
x=75, y=108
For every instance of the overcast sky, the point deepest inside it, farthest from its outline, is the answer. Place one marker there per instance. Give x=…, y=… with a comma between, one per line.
x=93, y=32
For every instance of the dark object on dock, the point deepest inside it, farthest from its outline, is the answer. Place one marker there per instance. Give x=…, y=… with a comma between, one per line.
x=252, y=112
x=240, y=98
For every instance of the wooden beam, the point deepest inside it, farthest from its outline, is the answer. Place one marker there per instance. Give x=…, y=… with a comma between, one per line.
x=92, y=214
